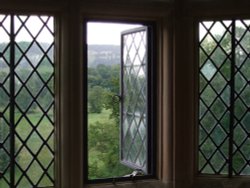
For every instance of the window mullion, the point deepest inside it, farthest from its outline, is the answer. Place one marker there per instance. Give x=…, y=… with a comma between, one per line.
x=232, y=101
x=12, y=102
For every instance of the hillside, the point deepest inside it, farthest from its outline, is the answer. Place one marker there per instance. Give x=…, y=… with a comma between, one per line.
x=34, y=54
x=103, y=54
x=97, y=54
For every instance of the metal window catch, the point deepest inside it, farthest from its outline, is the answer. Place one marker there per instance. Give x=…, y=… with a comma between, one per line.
x=135, y=173
x=116, y=98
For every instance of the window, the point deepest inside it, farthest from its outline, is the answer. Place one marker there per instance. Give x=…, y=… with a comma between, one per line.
x=120, y=100
x=224, y=91
x=27, y=101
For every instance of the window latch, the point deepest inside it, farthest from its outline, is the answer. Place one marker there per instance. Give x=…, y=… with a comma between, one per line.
x=116, y=98
x=135, y=173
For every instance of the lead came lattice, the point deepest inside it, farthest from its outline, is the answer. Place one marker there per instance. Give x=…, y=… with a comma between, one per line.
x=29, y=91
x=134, y=137
x=224, y=93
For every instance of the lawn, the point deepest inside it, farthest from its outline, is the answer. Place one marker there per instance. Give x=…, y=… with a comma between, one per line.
x=102, y=117
x=34, y=142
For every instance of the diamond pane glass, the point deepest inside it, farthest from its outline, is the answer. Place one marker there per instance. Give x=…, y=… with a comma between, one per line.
x=134, y=108
x=241, y=156
x=40, y=69
x=4, y=101
x=215, y=63
x=27, y=98
x=224, y=101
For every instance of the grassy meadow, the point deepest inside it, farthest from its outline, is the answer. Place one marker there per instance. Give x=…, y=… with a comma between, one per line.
x=33, y=146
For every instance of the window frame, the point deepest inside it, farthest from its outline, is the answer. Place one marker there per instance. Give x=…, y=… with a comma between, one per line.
x=40, y=12
x=230, y=108
x=176, y=121
x=68, y=15
x=209, y=12
x=151, y=102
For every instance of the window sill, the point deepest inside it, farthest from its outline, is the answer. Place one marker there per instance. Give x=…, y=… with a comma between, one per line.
x=151, y=183
x=222, y=182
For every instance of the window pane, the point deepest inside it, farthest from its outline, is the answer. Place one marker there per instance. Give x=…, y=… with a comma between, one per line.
x=4, y=101
x=215, y=71
x=224, y=97
x=241, y=153
x=27, y=84
x=134, y=128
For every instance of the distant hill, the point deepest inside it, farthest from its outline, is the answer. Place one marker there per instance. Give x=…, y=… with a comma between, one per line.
x=103, y=54
x=34, y=53
x=97, y=54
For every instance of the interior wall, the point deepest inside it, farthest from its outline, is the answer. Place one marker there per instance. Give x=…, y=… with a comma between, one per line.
x=177, y=79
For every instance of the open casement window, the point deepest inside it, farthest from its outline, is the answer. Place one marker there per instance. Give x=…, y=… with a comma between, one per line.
x=134, y=146
x=224, y=93
x=120, y=102
x=26, y=101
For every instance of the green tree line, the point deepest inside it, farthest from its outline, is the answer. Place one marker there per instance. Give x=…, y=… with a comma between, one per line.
x=103, y=137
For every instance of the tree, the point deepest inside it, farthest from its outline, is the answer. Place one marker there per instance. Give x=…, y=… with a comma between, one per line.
x=104, y=151
x=4, y=99
x=113, y=89
x=103, y=137
x=4, y=157
x=95, y=99
x=94, y=79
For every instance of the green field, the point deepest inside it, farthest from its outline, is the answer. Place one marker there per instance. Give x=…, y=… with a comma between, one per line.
x=103, y=152
x=33, y=146
x=101, y=117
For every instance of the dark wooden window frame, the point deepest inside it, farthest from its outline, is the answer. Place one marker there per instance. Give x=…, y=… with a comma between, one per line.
x=152, y=93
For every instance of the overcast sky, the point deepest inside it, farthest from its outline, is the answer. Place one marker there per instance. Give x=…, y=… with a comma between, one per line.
x=106, y=33
x=97, y=32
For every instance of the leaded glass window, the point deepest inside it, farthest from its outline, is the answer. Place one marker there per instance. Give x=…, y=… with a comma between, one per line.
x=26, y=101
x=134, y=129
x=224, y=64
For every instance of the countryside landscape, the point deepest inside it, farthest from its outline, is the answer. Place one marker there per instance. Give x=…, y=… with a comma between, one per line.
x=103, y=113
x=34, y=115
x=34, y=111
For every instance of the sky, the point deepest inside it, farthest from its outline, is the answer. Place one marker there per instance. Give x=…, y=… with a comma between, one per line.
x=30, y=29
x=97, y=32
x=106, y=33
